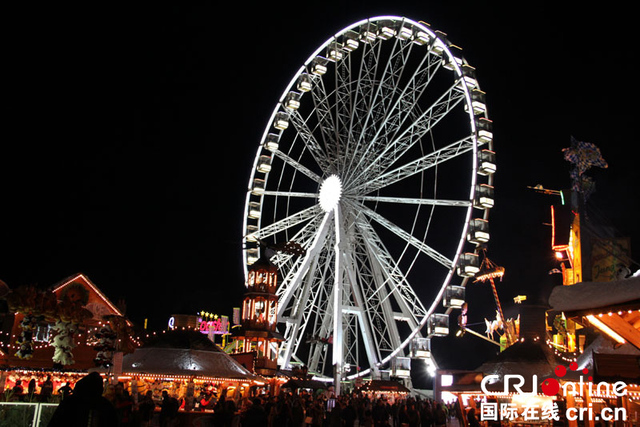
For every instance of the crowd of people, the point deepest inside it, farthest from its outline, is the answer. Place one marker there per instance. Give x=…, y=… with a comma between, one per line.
x=347, y=410
x=111, y=405
x=92, y=404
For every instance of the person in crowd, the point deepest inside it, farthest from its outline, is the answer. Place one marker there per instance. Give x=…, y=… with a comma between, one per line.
x=440, y=418
x=367, y=419
x=31, y=389
x=146, y=407
x=168, y=409
x=297, y=412
x=335, y=416
x=17, y=390
x=206, y=400
x=46, y=389
x=349, y=414
x=472, y=418
x=380, y=414
x=65, y=391
x=124, y=405
x=255, y=415
x=86, y=406
x=413, y=416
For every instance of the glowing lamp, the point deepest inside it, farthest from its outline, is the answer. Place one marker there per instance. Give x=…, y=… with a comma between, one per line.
x=446, y=380
x=330, y=193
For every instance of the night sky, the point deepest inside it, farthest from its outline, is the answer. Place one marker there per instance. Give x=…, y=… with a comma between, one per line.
x=131, y=131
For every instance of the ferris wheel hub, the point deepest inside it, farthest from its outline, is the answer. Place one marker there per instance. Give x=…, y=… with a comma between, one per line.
x=330, y=193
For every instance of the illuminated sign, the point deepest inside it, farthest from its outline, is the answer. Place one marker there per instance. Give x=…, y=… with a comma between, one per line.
x=236, y=315
x=218, y=326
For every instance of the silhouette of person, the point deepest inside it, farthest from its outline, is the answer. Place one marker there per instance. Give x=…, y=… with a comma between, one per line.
x=86, y=406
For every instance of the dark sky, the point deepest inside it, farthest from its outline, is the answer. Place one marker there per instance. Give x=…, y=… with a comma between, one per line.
x=131, y=133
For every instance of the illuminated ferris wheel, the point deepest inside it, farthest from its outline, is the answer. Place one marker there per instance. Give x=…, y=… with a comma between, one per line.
x=378, y=161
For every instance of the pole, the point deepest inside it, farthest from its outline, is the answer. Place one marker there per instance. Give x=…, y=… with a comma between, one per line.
x=337, y=306
x=499, y=306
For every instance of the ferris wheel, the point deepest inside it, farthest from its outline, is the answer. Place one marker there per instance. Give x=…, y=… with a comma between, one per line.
x=377, y=160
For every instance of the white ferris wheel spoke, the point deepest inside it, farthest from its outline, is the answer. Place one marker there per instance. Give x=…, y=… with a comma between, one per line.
x=395, y=148
x=375, y=136
x=416, y=166
x=295, y=276
x=418, y=244
x=311, y=143
x=297, y=166
x=323, y=113
x=379, y=91
x=308, y=300
x=291, y=194
x=417, y=201
x=412, y=305
x=287, y=223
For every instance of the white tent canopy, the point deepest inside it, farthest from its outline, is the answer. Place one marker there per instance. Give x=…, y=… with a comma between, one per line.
x=184, y=353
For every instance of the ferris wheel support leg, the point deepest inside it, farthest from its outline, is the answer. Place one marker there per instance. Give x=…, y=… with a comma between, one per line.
x=284, y=299
x=337, y=303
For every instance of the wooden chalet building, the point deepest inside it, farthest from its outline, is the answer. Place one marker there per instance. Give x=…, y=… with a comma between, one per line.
x=28, y=336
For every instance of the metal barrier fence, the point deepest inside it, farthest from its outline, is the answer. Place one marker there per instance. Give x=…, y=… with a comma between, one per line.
x=25, y=414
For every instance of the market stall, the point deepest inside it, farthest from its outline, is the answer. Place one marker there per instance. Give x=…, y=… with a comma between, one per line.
x=189, y=367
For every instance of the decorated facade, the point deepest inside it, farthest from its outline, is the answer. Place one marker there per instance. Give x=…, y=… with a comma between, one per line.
x=258, y=334
x=63, y=331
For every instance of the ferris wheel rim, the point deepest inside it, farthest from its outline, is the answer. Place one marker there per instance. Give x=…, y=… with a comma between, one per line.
x=467, y=100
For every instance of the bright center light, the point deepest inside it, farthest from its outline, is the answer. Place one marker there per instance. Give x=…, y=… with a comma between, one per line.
x=330, y=192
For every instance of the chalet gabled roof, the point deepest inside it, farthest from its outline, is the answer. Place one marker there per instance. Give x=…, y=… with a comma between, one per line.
x=81, y=278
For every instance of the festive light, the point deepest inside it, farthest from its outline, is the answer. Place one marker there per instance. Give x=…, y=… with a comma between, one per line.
x=604, y=328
